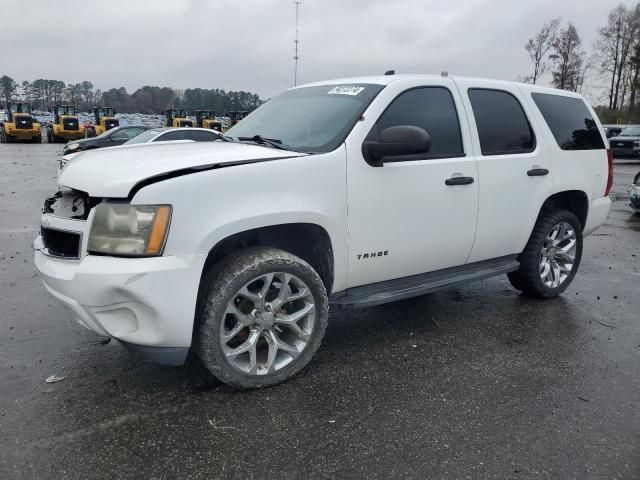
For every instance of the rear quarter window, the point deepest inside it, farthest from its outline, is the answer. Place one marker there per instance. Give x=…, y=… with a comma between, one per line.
x=570, y=121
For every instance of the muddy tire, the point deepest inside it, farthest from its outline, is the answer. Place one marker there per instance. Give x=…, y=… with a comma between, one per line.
x=261, y=316
x=552, y=256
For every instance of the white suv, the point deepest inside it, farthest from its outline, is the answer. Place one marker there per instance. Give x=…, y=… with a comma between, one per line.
x=348, y=192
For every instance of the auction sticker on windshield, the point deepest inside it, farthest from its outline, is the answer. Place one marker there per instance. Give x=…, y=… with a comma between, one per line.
x=345, y=90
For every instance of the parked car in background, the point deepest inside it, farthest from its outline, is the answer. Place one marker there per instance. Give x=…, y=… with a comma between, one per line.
x=626, y=143
x=158, y=136
x=167, y=134
x=634, y=193
x=351, y=192
x=613, y=130
x=111, y=138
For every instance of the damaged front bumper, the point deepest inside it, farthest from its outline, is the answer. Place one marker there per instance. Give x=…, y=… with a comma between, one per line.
x=146, y=303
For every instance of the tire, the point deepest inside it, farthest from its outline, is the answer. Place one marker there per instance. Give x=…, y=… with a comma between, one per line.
x=541, y=250
x=221, y=293
x=37, y=139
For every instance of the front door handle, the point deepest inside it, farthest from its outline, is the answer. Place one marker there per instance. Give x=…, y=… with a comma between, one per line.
x=459, y=181
x=538, y=172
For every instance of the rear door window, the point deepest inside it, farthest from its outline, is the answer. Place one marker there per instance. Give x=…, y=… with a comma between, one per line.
x=570, y=121
x=502, y=125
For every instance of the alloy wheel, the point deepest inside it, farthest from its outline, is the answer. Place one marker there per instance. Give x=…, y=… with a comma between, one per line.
x=267, y=323
x=558, y=255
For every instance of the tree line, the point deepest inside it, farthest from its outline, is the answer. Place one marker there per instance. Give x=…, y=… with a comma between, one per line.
x=43, y=93
x=614, y=61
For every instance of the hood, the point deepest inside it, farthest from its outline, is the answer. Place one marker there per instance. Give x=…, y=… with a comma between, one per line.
x=70, y=156
x=114, y=172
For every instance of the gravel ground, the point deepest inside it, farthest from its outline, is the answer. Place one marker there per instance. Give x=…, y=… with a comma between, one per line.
x=473, y=382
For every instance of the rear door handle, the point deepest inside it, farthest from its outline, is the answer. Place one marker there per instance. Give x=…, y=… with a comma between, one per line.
x=459, y=181
x=538, y=172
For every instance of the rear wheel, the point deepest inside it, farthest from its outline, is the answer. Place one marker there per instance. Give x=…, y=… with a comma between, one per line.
x=552, y=256
x=37, y=139
x=261, y=317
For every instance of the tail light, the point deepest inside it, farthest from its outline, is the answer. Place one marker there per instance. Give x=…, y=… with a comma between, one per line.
x=610, y=179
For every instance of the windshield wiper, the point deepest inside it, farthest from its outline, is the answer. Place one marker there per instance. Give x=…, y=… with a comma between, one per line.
x=224, y=138
x=260, y=140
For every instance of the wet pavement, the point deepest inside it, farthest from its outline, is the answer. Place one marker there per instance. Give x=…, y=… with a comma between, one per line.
x=474, y=382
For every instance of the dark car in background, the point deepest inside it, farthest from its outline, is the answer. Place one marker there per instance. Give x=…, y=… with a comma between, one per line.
x=111, y=138
x=626, y=143
x=613, y=130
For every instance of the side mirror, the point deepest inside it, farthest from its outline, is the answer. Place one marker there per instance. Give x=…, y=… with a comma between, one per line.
x=395, y=142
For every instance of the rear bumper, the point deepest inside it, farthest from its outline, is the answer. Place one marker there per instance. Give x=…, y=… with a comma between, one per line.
x=23, y=133
x=598, y=212
x=70, y=134
x=146, y=303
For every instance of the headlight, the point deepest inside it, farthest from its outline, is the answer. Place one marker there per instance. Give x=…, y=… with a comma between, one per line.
x=129, y=230
x=73, y=146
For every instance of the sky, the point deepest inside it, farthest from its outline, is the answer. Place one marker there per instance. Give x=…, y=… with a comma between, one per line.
x=248, y=44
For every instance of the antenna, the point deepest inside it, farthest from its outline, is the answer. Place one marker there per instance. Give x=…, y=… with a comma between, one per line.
x=295, y=43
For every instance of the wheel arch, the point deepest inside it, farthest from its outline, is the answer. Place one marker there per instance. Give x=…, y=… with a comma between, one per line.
x=575, y=201
x=309, y=241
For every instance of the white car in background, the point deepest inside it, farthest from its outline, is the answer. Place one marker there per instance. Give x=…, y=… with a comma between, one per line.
x=170, y=134
x=159, y=135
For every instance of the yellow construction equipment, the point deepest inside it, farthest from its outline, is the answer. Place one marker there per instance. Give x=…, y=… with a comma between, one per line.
x=235, y=117
x=20, y=125
x=65, y=126
x=207, y=119
x=105, y=119
x=177, y=118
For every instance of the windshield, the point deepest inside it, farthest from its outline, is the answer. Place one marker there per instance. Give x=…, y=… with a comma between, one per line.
x=144, y=137
x=108, y=133
x=309, y=119
x=630, y=132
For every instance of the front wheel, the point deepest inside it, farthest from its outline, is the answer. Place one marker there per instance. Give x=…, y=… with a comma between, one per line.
x=552, y=256
x=262, y=314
